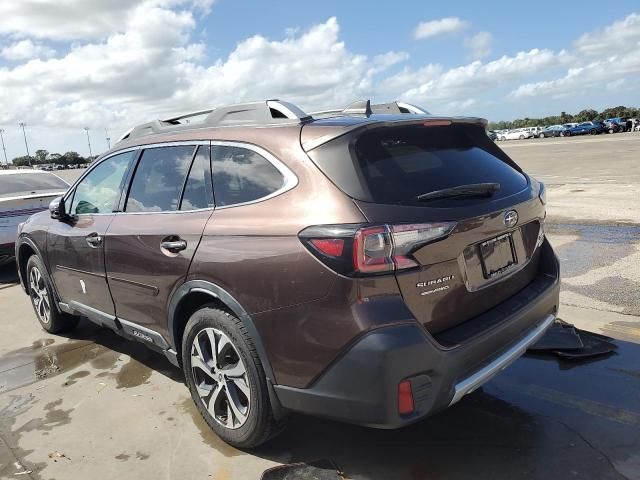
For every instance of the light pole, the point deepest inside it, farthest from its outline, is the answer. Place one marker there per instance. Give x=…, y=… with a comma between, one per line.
x=86, y=129
x=24, y=134
x=6, y=162
x=106, y=132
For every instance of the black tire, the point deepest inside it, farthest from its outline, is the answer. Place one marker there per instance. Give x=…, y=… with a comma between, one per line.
x=502, y=139
x=43, y=297
x=259, y=422
x=593, y=132
x=567, y=134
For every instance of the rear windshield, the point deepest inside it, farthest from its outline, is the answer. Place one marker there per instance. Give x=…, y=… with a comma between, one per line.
x=395, y=165
x=16, y=184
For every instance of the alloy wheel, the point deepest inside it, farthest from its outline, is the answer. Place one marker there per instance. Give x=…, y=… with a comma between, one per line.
x=220, y=377
x=39, y=295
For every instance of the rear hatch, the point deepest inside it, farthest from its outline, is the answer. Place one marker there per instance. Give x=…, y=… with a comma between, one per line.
x=456, y=253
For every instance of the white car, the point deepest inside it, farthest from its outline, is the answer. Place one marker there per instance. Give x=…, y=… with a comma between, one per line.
x=534, y=130
x=23, y=193
x=517, y=134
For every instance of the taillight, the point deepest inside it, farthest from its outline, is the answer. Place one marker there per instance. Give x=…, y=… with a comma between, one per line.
x=368, y=250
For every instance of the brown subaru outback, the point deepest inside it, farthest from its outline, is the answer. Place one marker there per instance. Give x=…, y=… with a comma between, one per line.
x=372, y=264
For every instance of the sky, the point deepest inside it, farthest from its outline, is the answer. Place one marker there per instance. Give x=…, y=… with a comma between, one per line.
x=110, y=64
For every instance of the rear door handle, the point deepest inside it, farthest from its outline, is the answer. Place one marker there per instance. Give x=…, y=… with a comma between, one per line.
x=94, y=240
x=174, y=245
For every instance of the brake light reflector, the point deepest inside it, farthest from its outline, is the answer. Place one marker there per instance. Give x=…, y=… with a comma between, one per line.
x=405, y=398
x=329, y=246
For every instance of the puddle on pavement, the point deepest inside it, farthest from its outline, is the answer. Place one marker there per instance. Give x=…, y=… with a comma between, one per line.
x=46, y=358
x=49, y=357
x=71, y=379
x=208, y=436
x=132, y=374
x=54, y=416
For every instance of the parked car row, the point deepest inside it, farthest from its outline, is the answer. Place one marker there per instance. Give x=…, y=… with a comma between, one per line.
x=610, y=125
x=51, y=167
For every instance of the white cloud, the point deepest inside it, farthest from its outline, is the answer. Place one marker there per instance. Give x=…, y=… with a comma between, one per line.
x=440, y=89
x=442, y=26
x=151, y=69
x=77, y=19
x=596, y=75
x=620, y=36
x=64, y=19
x=479, y=45
x=26, y=49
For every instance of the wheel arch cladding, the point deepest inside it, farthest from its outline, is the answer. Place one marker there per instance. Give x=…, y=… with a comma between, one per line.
x=25, y=251
x=193, y=295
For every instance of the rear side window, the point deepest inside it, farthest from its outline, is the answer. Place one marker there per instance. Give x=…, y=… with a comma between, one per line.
x=14, y=184
x=197, y=191
x=396, y=165
x=159, y=178
x=241, y=175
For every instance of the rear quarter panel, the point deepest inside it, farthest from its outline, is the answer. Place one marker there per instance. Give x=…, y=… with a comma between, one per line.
x=253, y=250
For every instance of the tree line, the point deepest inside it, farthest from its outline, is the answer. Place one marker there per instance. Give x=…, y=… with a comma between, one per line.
x=43, y=157
x=582, y=116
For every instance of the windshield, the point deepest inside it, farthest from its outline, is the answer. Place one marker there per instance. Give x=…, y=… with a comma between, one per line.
x=396, y=165
x=17, y=184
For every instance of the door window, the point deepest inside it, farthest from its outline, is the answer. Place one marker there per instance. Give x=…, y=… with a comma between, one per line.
x=99, y=191
x=241, y=175
x=159, y=178
x=198, y=192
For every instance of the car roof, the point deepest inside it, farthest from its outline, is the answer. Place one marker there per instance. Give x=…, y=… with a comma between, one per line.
x=253, y=122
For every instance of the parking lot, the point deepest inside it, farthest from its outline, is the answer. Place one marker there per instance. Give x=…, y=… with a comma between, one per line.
x=96, y=406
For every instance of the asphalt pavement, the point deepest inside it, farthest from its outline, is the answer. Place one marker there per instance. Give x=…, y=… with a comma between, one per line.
x=92, y=405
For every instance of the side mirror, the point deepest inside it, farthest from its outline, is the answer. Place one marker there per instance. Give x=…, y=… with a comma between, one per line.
x=56, y=209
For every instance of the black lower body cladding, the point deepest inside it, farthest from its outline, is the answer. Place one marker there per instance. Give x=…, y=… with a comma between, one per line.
x=361, y=387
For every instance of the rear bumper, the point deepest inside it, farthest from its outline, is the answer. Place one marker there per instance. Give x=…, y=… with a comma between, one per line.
x=361, y=386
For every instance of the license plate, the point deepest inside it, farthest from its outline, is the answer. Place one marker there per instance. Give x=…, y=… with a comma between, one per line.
x=498, y=255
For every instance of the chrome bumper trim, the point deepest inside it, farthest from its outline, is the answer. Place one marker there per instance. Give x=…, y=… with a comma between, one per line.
x=487, y=372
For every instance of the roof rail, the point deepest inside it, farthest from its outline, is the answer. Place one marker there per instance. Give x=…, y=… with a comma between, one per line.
x=267, y=112
x=365, y=107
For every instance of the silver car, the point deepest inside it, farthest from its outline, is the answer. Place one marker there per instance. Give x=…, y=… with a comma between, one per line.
x=23, y=193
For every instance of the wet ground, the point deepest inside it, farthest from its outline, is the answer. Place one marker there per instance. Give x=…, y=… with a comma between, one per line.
x=93, y=405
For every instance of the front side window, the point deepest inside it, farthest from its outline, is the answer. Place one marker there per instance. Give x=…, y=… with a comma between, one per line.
x=99, y=191
x=241, y=175
x=159, y=178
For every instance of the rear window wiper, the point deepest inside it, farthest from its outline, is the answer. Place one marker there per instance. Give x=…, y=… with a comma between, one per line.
x=471, y=190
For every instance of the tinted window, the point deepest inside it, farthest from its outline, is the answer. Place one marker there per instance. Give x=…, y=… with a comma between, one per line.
x=242, y=175
x=159, y=178
x=395, y=165
x=197, y=192
x=99, y=191
x=14, y=184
